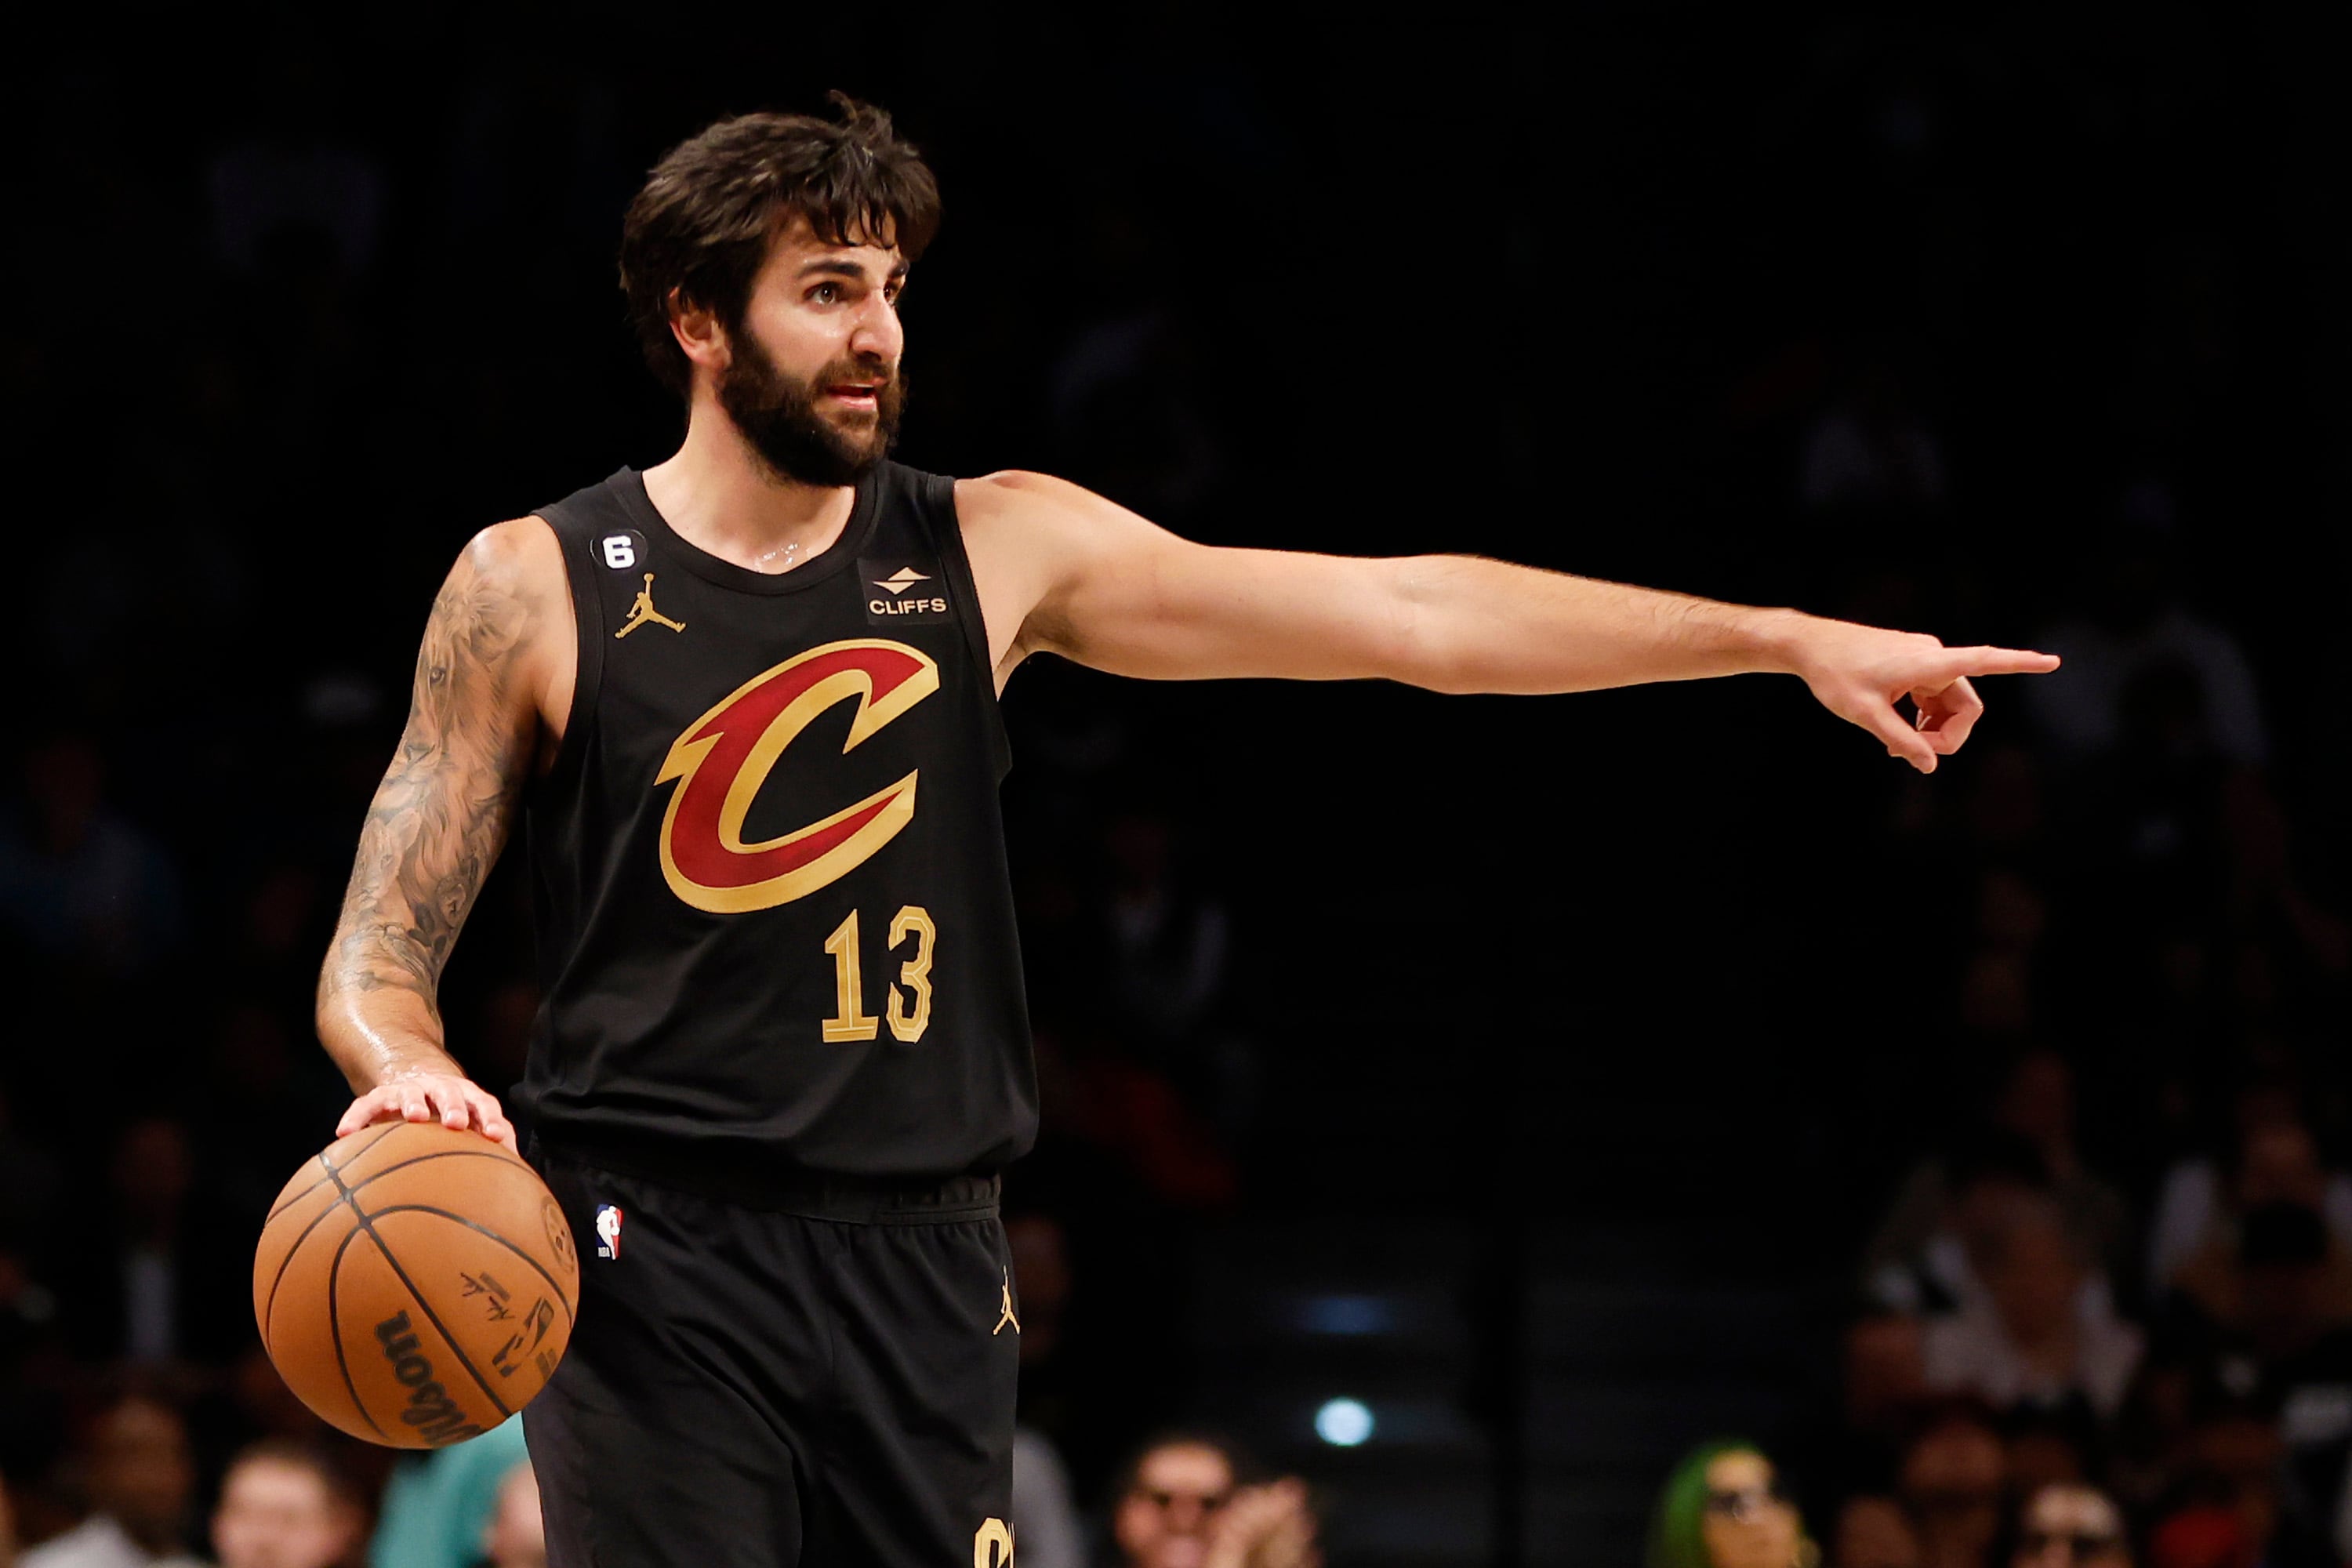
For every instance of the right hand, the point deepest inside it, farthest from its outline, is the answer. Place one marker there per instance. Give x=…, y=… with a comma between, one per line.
x=1269, y=1526
x=1860, y=673
x=456, y=1102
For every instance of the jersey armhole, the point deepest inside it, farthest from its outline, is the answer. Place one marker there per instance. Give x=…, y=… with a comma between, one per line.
x=973, y=620
x=588, y=643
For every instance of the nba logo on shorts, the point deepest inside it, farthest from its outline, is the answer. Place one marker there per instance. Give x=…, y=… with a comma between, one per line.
x=608, y=1230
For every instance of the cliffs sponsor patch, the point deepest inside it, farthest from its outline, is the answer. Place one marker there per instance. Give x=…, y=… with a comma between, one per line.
x=904, y=592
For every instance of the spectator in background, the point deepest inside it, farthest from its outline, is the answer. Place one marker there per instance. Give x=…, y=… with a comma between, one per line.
x=1169, y=944
x=1125, y=412
x=2070, y=1526
x=285, y=1505
x=2287, y=1351
x=268, y=1103
x=1873, y=1531
x=1953, y=1479
x=2035, y=1336
x=516, y=1536
x=1045, y=1519
x=2133, y=622
x=1182, y=1503
x=2228, y=1508
x=164, y=1280
x=78, y=882
x=2266, y=892
x=142, y=1482
x=1133, y=1113
x=1870, y=452
x=2029, y=1137
x=1986, y=1179
x=2202, y=1537
x=1723, y=1507
x=437, y=1505
x=2037, y=1103
x=1885, y=1387
x=2272, y=1158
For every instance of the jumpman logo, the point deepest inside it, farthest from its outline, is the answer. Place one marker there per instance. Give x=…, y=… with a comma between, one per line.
x=1008, y=1317
x=643, y=611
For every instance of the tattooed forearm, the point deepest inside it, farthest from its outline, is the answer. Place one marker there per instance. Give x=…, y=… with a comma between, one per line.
x=443, y=812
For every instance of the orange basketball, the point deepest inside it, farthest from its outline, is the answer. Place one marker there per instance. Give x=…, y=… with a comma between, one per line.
x=416, y=1286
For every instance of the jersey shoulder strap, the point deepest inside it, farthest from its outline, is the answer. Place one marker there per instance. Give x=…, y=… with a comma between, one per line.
x=928, y=501
x=589, y=519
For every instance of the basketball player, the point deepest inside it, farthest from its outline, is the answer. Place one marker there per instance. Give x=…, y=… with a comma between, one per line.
x=744, y=704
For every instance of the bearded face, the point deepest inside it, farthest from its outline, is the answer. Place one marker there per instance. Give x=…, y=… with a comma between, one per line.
x=827, y=430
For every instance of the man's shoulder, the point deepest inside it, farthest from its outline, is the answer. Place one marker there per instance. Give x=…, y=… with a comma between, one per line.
x=521, y=556
x=1034, y=502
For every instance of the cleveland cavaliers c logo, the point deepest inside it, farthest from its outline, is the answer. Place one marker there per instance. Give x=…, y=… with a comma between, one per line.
x=725, y=757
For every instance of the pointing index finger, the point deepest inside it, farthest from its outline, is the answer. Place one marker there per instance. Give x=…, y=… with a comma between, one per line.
x=1963, y=662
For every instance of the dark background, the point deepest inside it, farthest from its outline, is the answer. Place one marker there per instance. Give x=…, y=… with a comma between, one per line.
x=1502, y=1024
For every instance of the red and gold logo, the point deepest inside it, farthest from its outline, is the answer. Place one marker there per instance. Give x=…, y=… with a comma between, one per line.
x=725, y=757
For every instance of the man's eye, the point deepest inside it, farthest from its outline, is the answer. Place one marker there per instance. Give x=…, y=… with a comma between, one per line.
x=825, y=293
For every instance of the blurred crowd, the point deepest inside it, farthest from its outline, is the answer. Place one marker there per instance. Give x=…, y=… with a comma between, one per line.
x=2114, y=1280
x=2117, y=1276
x=2126, y=1266
x=2108, y=1300
x=1183, y=1499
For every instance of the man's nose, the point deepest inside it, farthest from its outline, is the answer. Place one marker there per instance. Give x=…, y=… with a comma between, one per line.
x=879, y=334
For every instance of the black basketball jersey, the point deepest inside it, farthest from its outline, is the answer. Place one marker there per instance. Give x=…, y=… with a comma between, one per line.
x=775, y=926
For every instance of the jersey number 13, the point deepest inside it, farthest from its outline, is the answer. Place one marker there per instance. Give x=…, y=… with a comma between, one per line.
x=850, y=1021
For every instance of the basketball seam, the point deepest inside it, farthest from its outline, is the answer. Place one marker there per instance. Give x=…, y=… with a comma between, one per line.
x=366, y=1181
x=322, y=1181
x=367, y=1224
x=270, y=1307
x=536, y=1265
x=335, y=1327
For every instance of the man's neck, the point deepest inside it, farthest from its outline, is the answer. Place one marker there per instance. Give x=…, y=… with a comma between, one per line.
x=720, y=496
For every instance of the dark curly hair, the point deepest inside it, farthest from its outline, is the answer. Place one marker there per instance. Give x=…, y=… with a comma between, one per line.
x=701, y=226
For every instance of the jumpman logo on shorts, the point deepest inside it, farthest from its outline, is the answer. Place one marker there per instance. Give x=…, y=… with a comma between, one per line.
x=643, y=611
x=1008, y=1317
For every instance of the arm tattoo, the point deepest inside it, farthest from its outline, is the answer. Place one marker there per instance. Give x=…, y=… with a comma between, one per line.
x=442, y=813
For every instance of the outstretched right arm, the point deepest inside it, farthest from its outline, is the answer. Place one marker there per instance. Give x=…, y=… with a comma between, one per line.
x=436, y=826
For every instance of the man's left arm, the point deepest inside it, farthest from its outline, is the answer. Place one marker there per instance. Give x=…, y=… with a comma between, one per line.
x=1095, y=582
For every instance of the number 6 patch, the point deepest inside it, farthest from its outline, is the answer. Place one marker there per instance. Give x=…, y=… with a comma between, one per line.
x=621, y=551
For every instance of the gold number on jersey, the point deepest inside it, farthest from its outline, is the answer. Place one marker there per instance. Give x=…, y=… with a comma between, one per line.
x=850, y=1021
x=915, y=975
x=992, y=1545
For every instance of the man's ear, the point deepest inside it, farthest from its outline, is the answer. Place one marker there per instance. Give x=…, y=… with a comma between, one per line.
x=699, y=335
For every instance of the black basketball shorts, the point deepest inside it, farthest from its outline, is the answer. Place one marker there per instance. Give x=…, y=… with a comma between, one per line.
x=750, y=1387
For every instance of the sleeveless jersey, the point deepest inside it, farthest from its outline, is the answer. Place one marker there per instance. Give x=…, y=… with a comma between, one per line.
x=775, y=926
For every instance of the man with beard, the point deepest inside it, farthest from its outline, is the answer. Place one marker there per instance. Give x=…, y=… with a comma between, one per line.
x=746, y=702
